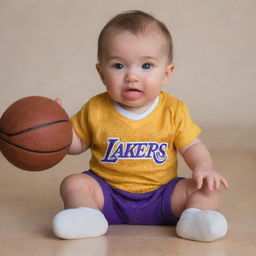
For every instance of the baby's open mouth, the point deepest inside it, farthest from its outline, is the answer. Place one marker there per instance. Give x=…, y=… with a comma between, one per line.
x=132, y=93
x=133, y=90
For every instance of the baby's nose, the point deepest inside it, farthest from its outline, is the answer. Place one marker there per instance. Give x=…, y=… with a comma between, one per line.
x=131, y=76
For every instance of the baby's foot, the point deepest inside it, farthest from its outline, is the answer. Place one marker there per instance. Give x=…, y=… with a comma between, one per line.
x=79, y=223
x=201, y=225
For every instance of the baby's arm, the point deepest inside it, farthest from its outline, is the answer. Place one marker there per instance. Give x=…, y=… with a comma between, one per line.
x=198, y=159
x=77, y=146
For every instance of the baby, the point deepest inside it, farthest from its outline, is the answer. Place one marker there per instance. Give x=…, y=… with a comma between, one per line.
x=134, y=131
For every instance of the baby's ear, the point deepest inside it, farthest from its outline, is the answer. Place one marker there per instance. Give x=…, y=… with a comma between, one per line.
x=98, y=67
x=168, y=73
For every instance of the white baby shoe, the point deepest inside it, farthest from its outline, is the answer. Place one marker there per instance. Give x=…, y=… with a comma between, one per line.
x=79, y=223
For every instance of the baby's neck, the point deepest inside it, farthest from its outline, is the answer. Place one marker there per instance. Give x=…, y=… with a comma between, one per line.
x=136, y=110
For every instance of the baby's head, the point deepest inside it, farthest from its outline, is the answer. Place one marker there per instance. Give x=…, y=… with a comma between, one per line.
x=138, y=23
x=134, y=59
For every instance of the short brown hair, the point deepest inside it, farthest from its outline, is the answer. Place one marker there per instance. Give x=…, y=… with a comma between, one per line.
x=135, y=22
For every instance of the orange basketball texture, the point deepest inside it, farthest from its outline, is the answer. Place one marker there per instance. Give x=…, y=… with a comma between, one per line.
x=35, y=133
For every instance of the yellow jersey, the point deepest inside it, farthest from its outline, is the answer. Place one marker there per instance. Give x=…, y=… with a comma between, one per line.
x=137, y=156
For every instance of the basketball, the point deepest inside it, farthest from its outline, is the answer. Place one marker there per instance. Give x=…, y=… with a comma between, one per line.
x=35, y=133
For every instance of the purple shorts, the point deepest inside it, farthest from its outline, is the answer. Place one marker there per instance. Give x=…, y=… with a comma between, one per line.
x=151, y=208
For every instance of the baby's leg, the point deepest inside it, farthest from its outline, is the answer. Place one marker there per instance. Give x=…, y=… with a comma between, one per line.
x=83, y=199
x=199, y=219
x=81, y=190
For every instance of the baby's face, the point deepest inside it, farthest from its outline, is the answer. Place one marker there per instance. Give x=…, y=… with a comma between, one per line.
x=134, y=68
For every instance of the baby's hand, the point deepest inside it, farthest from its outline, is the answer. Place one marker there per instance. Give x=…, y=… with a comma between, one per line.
x=212, y=178
x=59, y=101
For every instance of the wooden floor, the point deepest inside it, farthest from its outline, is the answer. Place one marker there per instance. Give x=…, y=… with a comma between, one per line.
x=28, y=201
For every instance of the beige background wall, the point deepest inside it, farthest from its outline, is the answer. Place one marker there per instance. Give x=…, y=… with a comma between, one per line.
x=48, y=48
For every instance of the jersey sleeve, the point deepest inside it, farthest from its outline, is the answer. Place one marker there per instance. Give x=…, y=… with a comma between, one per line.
x=185, y=129
x=81, y=124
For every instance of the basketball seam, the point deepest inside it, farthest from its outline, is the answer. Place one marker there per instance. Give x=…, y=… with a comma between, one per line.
x=32, y=150
x=32, y=128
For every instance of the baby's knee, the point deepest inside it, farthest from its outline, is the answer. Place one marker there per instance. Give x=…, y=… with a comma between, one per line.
x=201, y=198
x=210, y=193
x=191, y=188
x=75, y=182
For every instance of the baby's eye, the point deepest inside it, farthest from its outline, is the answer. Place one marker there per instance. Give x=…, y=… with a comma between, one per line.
x=147, y=66
x=118, y=66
